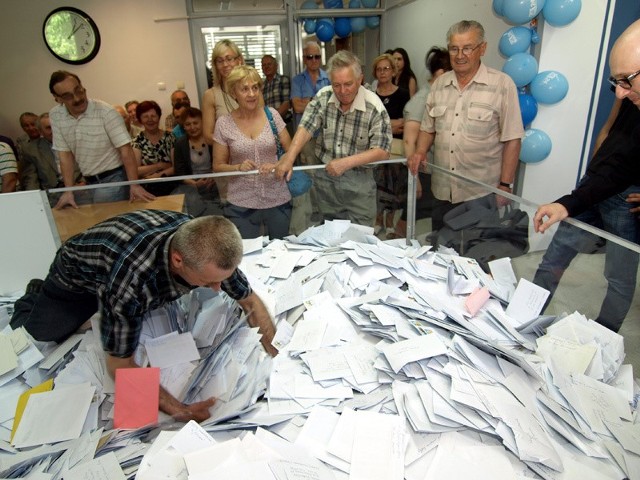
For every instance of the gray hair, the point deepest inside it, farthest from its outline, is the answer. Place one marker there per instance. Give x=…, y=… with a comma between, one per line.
x=311, y=44
x=209, y=239
x=342, y=59
x=464, y=26
x=39, y=120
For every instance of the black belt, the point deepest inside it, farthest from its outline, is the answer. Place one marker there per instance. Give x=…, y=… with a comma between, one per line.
x=99, y=176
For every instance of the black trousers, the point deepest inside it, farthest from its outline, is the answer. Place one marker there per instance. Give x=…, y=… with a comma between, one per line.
x=54, y=313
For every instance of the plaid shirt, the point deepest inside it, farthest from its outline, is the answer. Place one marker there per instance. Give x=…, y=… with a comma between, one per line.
x=365, y=126
x=276, y=92
x=125, y=262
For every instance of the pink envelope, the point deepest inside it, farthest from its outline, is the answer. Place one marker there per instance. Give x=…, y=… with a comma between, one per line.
x=137, y=397
x=476, y=300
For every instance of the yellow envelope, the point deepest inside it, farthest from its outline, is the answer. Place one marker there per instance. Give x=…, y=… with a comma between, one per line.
x=24, y=398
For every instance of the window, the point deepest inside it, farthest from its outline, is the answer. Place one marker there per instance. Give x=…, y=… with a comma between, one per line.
x=253, y=41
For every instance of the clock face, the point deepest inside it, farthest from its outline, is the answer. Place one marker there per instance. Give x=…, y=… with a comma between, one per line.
x=71, y=35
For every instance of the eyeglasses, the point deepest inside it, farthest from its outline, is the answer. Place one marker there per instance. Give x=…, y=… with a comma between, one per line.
x=382, y=69
x=313, y=57
x=465, y=50
x=624, y=82
x=70, y=96
x=179, y=105
x=223, y=60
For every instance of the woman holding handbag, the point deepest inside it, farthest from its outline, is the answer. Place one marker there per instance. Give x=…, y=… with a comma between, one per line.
x=246, y=139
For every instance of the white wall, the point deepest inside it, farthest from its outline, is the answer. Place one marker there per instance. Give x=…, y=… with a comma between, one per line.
x=418, y=26
x=572, y=50
x=136, y=53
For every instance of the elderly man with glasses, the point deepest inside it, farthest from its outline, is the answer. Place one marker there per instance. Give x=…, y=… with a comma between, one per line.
x=93, y=134
x=600, y=198
x=473, y=120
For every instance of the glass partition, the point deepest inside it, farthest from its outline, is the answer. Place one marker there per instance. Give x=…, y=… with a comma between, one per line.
x=587, y=269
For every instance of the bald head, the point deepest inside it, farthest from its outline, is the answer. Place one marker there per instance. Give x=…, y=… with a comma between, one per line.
x=625, y=61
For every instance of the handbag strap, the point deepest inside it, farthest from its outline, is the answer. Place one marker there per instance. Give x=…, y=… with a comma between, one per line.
x=280, y=150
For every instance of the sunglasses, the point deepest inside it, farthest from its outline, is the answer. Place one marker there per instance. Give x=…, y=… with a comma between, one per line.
x=313, y=57
x=181, y=104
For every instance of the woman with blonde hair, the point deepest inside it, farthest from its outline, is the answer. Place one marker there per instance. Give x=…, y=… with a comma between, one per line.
x=247, y=139
x=217, y=101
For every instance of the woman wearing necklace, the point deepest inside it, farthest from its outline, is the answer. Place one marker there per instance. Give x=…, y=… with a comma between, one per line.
x=245, y=141
x=153, y=148
x=390, y=179
x=192, y=156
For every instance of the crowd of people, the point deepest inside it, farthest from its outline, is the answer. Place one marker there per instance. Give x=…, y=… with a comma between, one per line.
x=230, y=133
x=135, y=262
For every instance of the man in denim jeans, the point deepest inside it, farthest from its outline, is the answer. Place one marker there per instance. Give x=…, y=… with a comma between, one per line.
x=93, y=134
x=600, y=198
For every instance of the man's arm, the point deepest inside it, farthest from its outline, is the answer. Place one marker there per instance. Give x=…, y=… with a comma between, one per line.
x=258, y=316
x=67, y=162
x=285, y=164
x=131, y=168
x=284, y=108
x=198, y=411
x=9, y=181
x=510, y=154
x=338, y=166
x=425, y=140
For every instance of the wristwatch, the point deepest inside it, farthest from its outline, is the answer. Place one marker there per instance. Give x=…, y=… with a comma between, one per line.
x=505, y=184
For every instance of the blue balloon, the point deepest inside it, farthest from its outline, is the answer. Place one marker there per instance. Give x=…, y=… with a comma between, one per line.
x=373, y=22
x=528, y=108
x=521, y=67
x=308, y=5
x=342, y=27
x=324, y=30
x=515, y=40
x=310, y=26
x=521, y=11
x=354, y=4
x=498, y=6
x=536, y=146
x=549, y=87
x=369, y=3
x=358, y=24
x=332, y=3
x=561, y=12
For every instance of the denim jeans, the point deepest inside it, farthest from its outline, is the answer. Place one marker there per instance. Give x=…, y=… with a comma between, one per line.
x=111, y=194
x=621, y=265
x=250, y=221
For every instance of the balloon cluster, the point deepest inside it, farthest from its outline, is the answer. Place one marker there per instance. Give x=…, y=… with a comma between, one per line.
x=326, y=28
x=534, y=87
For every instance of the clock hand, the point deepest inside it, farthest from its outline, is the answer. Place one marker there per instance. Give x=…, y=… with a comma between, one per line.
x=75, y=30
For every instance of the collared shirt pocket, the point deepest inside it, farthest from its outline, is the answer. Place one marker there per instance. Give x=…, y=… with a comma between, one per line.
x=438, y=115
x=479, y=120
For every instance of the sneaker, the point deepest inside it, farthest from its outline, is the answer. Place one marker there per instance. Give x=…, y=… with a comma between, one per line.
x=34, y=286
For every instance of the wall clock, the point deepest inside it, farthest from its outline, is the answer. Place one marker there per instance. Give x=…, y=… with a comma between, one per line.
x=71, y=35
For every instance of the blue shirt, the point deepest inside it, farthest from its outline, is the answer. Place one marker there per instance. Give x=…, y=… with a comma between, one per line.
x=302, y=87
